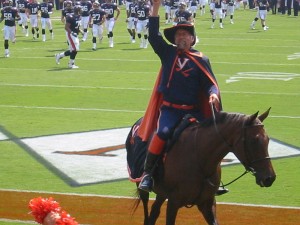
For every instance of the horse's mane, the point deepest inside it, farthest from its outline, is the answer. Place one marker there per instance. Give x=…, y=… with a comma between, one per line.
x=221, y=117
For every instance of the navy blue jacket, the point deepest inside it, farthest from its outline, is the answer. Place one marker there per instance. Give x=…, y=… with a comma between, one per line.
x=182, y=79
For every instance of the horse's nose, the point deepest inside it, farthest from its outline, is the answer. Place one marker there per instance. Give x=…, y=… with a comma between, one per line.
x=269, y=181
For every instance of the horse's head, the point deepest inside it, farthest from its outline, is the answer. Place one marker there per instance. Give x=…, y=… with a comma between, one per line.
x=252, y=150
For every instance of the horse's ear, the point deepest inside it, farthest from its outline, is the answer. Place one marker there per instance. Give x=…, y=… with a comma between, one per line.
x=251, y=118
x=263, y=116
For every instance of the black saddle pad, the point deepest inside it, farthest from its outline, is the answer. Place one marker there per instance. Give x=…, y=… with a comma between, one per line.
x=137, y=149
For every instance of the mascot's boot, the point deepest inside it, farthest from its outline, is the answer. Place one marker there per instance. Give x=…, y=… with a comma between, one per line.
x=221, y=191
x=147, y=181
x=155, y=148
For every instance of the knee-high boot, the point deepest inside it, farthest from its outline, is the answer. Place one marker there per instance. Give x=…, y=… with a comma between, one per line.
x=155, y=148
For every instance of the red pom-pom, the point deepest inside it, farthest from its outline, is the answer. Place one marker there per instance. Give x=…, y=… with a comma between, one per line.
x=65, y=219
x=41, y=207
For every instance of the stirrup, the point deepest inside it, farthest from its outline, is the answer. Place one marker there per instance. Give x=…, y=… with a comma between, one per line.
x=221, y=191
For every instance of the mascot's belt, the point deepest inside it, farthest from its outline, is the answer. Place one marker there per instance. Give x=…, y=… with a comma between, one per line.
x=176, y=106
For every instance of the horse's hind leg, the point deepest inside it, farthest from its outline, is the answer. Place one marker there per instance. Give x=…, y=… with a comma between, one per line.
x=172, y=209
x=155, y=209
x=208, y=210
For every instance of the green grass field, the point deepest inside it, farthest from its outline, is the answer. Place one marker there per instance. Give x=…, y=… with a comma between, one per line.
x=255, y=69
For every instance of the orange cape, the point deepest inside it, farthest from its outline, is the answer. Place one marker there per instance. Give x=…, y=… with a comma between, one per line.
x=149, y=122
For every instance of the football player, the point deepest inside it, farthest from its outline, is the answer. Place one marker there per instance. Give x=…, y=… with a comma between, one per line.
x=131, y=20
x=96, y=20
x=194, y=7
x=174, y=4
x=224, y=6
x=23, y=22
x=142, y=14
x=230, y=9
x=202, y=4
x=46, y=9
x=216, y=11
x=86, y=7
x=66, y=11
x=182, y=14
x=262, y=12
x=167, y=7
x=9, y=14
x=110, y=8
x=72, y=28
x=127, y=4
x=32, y=11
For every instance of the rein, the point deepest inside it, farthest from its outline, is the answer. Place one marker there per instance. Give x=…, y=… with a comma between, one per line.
x=216, y=127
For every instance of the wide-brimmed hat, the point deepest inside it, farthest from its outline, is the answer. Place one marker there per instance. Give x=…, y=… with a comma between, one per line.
x=185, y=25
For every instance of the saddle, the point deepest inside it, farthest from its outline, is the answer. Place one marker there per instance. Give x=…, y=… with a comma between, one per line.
x=137, y=149
x=186, y=121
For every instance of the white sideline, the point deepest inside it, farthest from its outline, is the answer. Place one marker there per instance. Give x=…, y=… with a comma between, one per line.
x=126, y=197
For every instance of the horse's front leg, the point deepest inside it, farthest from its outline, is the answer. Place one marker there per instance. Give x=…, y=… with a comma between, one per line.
x=172, y=209
x=145, y=199
x=155, y=209
x=208, y=209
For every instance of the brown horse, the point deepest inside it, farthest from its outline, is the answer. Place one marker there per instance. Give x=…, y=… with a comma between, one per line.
x=191, y=171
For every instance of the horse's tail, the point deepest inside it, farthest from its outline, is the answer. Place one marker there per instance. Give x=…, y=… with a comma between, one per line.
x=136, y=202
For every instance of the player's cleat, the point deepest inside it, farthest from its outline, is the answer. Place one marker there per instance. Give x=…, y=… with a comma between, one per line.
x=72, y=66
x=145, y=43
x=142, y=43
x=57, y=58
x=221, y=26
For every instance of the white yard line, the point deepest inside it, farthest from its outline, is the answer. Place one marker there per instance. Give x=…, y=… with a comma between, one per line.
x=107, y=110
x=17, y=221
x=78, y=87
x=70, y=109
x=136, y=89
x=148, y=60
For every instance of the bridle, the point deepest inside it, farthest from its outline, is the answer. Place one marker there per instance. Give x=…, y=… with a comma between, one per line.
x=247, y=151
x=248, y=166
